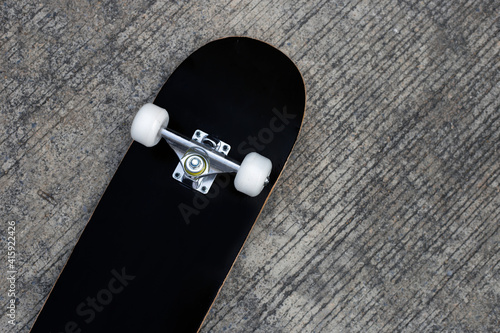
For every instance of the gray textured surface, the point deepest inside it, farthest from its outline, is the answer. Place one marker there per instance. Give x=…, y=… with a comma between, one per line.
x=387, y=217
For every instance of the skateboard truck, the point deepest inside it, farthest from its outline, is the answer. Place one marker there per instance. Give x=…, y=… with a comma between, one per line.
x=202, y=157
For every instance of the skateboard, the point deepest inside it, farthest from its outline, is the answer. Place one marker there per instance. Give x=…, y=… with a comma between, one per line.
x=166, y=232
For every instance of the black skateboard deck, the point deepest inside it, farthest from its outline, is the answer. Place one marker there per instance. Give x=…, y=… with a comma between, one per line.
x=154, y=254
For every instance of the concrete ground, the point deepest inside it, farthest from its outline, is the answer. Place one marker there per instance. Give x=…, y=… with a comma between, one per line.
x=388, y=215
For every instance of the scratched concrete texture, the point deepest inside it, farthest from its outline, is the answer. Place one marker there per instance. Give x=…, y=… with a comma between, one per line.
x=387, y=217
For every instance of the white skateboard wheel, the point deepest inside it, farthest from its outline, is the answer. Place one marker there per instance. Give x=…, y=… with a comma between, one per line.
x=252, y=175
x=148, y=122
